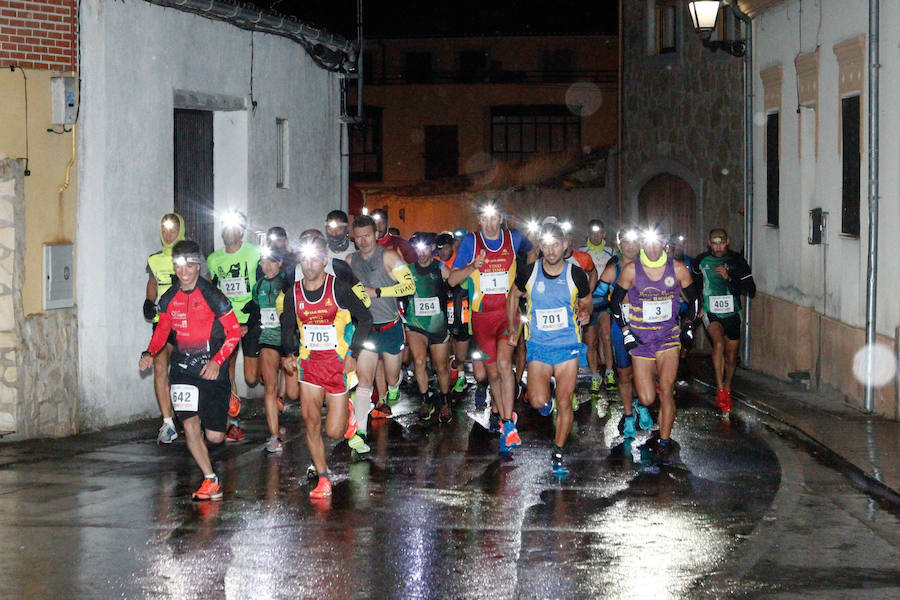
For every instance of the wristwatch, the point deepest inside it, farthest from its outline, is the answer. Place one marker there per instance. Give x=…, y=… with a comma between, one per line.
x=378, y=292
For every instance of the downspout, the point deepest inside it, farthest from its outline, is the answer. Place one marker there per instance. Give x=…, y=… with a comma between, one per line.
x=748, y=168
x=872, y=261
x=621, y=135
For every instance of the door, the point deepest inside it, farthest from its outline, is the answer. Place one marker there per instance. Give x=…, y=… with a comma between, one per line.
x=668, y=202
x=441, y=151
x=194, y=175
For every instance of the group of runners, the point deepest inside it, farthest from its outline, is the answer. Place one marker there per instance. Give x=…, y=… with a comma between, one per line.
x=333, y=319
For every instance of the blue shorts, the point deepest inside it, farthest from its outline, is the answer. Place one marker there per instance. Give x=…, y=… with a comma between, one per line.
x=623, y=359
x=600, y=306
x=551, y=355
x=389, y=338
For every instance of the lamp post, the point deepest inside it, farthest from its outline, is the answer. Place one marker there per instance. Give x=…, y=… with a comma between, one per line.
x=704, y=14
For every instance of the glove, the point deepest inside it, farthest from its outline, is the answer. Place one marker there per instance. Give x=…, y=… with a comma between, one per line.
x=149, y=309
x=632, y=341
x=687, y=334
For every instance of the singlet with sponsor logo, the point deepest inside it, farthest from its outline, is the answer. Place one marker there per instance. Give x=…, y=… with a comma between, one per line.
x=492, y=281
x=427, y=307
x=551, y=306
x=654, y=304
x=322, y=321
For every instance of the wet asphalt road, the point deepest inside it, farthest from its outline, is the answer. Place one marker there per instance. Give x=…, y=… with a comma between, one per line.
x=436, y=513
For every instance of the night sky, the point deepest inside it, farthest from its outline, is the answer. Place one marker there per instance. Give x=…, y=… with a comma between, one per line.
x=405, y=18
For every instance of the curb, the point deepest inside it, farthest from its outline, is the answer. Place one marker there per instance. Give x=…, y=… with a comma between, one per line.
x=781, y=424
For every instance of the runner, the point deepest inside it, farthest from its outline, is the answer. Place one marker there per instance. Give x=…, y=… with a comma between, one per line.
x=317, y=311
x=557, y=294
x=268, y=298
x=206, y=332
x=426, y=325
x=161, y=276
x=337, y=230
x=488, y=258
x=597, y=335
x=628, y=241
x=725, y=276
x=234, y=270
x=391, y=240
x=654, y=283
x=277, y=240
x=386, y=277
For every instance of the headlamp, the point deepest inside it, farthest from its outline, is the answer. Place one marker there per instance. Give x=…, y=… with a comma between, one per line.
x=273, y=237
x=170, y=224
x=717, y=240
x=376, y=217
x=334, y=224
x=488, y=210
x=184, y=260
x=532, y=226
x=310, y=251
x=365, y=210
x=233, y=219
x=631, y=235
x=596, y=228
x=421, y=246
x=548, y=238
x=566, y=226
x=651, y=236
x=265, y=252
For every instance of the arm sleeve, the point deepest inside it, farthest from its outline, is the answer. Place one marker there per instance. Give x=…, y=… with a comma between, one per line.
x=290, y=335
x=405, y=286
x=232, y=337
x=343, y=272
x=348, y=299
x=615, y=303
x=581, y=281
x=741, y=277
x=691, y=295
x=523, y=275
x=160, y=334
x=696, y=273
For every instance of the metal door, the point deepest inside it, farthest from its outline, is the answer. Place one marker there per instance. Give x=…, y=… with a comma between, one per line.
x=194, y=175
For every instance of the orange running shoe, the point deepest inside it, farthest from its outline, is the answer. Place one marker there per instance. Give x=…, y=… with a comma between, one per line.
x=234, y=433
x=723, y=401
x=209, y=490
x=381, y=411
x=323, y=490
x=234, y=405
x=352, y=423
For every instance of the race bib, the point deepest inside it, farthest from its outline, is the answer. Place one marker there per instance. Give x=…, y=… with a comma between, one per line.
x=426, y=307
x=721, y=304
x=234, y=287
x=657, y=311
x=450, y=313
x=495, y=283
x=551, y=319
x=269, y=318
x=626, y=312
x=184, y=397
x=320, y=337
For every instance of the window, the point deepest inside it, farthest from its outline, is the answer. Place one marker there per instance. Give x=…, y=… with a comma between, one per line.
x=418, y=67
x=368, y=67
x=441, y=151
x=850, y=151
x=665, y=21
x=365, y=147
x=558, y=64
x=473, y=65
x=519, y=132
x=282, y=154
x=773, y=168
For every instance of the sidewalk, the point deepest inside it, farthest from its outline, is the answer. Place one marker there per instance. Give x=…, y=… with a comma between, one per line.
x=865, y=446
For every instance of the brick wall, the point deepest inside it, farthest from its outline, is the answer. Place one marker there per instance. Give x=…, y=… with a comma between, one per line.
x=38, y=34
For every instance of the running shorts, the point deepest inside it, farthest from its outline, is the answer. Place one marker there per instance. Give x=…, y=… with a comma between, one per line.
x=489, y=329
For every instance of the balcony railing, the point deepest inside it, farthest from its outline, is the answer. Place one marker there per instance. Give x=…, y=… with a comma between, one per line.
x=533, y=77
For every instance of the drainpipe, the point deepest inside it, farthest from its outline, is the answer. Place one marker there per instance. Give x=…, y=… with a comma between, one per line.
x=872, y=262
x=748, y=168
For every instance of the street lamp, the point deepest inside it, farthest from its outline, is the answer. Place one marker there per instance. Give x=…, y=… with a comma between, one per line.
x=704, y=14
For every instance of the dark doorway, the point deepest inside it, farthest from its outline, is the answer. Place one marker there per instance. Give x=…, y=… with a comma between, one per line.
x=194, y=175
x=441, y=151
x=668, y=201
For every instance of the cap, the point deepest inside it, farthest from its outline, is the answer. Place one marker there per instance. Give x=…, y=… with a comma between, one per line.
x=443, y=239
x=460, y=232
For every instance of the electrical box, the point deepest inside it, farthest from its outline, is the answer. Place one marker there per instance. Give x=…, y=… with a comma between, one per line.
x=59, y=276
x=818, y=222
x=65, y=104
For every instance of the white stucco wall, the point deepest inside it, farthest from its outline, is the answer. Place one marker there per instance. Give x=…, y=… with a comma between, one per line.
x=134, y=56
x=784, y=264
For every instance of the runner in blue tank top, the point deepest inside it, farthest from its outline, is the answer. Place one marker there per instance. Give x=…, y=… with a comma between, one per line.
x=557, y=302
x=654, y=284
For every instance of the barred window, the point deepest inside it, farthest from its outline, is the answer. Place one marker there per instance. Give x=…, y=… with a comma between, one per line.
x=518, y=132
x=365, y=147
x=282, y=154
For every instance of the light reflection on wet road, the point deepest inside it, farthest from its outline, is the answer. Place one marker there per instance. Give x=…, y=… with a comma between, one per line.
x=434, y=513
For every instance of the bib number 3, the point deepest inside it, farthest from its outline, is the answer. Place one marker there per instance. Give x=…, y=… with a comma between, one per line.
x=657, y=311
x=185, y=398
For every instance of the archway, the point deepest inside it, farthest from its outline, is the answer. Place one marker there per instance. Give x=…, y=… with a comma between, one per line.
x=670, y=202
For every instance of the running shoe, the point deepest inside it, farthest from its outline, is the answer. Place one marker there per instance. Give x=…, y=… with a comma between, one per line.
x=480, y=395
x=279, y=401
x=166, y=435
x=547, y=409
x=509, y=437
x=522, y=392
x=609, y=382
x=234, y=405
x=494, y=423
x=602, y=406
x=352, y=423
x=596, y=385
x=723, y=401
x=460, y=385
x=665, y=452
x=557, y=463
x=446, y=415
x=311, y=472
x=273, y=445
x=426, y=411
x=234, y=433
x=628, y=430
x=323, y=489
x=393, y=397
x=381, y=411
x=208, y=490
x=645, y=421
x=358, y=444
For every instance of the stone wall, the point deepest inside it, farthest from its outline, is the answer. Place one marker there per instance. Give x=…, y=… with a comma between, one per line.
x=38, y=353
x=683, y=114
